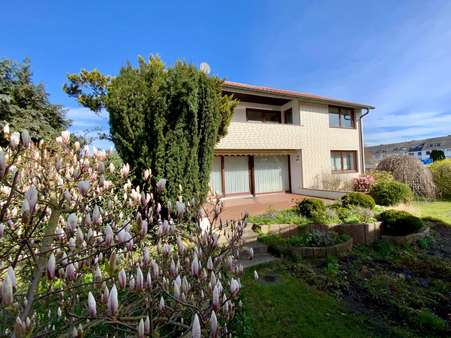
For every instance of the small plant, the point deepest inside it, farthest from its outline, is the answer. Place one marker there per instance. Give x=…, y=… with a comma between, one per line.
x=358, y=199
x=363, y=183
x=309, y=206
x=382, y=176
x=391, y=193
x=399, y=223
x=332, y=267
x=288, y=216
x=318, y=238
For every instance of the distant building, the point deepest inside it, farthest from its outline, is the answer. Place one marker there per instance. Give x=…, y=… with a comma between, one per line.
x=420, y=149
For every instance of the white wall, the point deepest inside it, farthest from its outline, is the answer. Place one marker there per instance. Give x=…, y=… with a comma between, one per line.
x=310, y=137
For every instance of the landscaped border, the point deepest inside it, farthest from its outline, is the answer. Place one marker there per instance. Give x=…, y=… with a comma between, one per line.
x=340, y=249
x=407, y=239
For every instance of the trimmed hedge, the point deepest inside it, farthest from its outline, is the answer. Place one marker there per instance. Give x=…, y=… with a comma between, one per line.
x=399, y=223
x=391, y=193
x=310, y=207
x=358, y=199
x=441, y=174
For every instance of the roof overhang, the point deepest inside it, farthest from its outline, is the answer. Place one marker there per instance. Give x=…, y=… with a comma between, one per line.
x=241, y=88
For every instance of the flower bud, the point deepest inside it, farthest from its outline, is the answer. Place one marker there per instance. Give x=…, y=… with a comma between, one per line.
x=70, y=271
x=125, y=170
x=122, y=277
x=2, y=164
x=91, y=305
x=96, y=215
x=83, y=187
x=113, y=303
x=255, y=275
x=51, y=266
x=108, y=235
x=161, y=184
x=7, y=291
x=26, y=139
x=234, y=287
x=139, y=279
x=65, y=135
x=161, y=306
x=141, y=328
x=6, y=129
x=213, y=324
x=12, y=277
x=195, y=331
x=147, y=325
x=15, y=140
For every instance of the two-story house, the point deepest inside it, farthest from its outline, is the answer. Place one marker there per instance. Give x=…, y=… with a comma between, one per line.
x=282, y=140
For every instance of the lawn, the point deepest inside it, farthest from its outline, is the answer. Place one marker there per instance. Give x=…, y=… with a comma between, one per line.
x=438, y=209
x=288, y=307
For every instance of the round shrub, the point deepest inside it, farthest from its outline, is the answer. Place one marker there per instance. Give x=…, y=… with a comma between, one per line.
x=441, y=173
x=399, y=223
x=391, y=193
x=310, y=207
x=358, y=199
x=381, y=175
x=410, y=171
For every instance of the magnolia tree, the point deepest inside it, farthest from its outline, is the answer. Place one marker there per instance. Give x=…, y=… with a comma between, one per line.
x=83, y=252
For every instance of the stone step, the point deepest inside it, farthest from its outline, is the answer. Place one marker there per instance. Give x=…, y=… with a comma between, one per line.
x=258, y=247
x=258, y=259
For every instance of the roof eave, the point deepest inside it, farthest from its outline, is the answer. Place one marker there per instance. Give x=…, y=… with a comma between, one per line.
x=301, y=97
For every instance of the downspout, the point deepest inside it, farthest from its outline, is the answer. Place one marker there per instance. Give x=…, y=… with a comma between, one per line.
x=362, y=145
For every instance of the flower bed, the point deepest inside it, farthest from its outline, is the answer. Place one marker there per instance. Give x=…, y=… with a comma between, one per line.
x=314, y=243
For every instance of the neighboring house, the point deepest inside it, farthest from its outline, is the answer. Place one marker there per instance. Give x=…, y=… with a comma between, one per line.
x=420, y=149
x=282, y=140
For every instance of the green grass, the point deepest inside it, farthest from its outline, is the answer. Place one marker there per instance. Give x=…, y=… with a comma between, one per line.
x=286, y=216
x=438, y=209
x=290, y=308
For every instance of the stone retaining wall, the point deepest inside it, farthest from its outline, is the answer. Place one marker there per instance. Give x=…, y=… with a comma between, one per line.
x=340, y=249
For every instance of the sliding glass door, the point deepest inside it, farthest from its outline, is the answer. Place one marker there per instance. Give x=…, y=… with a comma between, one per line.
x=236, y=174
x=271, y=174
x=215, y=176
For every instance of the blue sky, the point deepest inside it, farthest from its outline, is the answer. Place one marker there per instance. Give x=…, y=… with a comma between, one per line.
x=395, y=55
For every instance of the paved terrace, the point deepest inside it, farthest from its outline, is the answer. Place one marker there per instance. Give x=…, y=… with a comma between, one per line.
x=234, y=207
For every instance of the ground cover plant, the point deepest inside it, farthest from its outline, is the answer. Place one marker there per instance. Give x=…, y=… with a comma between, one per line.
x=382, y=290
x=85, y=252
x=287, y=216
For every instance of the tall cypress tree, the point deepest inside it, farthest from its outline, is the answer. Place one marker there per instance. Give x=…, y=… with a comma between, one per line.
x=165, y=118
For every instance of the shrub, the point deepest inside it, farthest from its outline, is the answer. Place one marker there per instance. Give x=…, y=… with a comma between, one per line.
x=363, y=183
x=100, y=258
x=358, y=199
x=412, y=172
x=165, y=118
x=399, y=223
x=391, y=193
x=437, y=155
x=309, y=206
x=381, y=176
x=441, y=173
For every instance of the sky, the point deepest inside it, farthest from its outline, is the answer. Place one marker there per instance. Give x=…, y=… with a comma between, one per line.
x=394, y=55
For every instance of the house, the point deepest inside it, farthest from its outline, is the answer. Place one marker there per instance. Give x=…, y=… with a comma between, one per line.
x=281, y=140
x=420, y=149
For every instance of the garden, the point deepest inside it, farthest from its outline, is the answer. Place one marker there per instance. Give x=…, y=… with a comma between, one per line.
x=395, y=283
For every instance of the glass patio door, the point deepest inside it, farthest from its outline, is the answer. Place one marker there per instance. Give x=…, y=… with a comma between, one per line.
x=236, y=174
x=271, y=174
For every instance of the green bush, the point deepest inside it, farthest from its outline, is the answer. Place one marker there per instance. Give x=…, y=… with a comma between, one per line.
x=381, y=176
x=441, y=174
x=391, y=193
x=309, y=207
x=287, y=216
x=399, y=223
x=317, y=238
x=358, y=199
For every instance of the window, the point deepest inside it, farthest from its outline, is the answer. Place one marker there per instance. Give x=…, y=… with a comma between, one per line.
x=343, y=161
x=341, y=117
x=266, y=116
x=288, y=116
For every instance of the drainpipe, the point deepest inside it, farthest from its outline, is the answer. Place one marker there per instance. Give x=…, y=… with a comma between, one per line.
x=362, y=151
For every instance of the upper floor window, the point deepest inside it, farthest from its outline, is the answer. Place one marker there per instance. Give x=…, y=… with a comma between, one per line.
x=261, y=115
x=341, y=117
x=288, y=116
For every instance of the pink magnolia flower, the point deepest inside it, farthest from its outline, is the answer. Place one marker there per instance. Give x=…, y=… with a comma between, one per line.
x=113, y=303
x=91, y=305
x=213, y=323
x=7, y=291
x=51, y=266
x=122, y=277
x=195, y=330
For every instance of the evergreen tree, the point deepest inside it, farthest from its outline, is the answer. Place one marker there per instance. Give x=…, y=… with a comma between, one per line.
x=165, y=118
x=25, y=105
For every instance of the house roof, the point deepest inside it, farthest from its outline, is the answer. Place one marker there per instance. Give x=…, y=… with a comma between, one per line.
x=283, y=93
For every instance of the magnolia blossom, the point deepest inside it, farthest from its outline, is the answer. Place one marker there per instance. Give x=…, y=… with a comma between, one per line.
x=122, y=277
x=65, y=135
x=255, y=275
x=25, y=137
x=51, y=266
x=14, y=140
x=213, y=323
x=113, y=303
x=92, y=305
x=7, y=291
x=141, y=328
x=83, y=187
x=195, y=331
x=125, y=170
